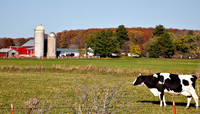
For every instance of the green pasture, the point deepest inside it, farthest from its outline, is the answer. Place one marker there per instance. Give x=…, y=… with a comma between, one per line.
x=154, y=64
x=17, y=86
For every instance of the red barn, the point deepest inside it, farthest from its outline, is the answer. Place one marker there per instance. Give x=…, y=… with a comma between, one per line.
x=26, y=50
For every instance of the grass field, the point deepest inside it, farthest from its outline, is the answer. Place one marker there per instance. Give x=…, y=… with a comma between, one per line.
x=156, y=65
x=18, y=85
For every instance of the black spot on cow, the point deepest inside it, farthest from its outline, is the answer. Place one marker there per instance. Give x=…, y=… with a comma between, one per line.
x=173, y=83
x=160, y=78
x=185, y=82
x=150, y=81
x=174, y=77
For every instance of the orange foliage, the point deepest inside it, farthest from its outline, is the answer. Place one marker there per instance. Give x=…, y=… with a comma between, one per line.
x=76, y=38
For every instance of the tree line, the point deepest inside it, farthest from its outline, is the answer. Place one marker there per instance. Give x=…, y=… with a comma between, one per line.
x=136, y=43
x=6, y=42
x=162, y=44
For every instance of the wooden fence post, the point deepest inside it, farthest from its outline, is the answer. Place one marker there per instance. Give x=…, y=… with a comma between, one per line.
x=12, y=109
x=174, y=108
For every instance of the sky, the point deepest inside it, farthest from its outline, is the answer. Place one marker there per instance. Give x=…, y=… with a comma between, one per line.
x=18, y=18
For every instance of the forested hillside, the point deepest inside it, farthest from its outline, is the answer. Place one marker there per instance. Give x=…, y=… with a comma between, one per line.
x=77, y=38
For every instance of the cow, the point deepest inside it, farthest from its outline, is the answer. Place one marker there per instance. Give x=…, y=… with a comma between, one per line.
x=160, y=83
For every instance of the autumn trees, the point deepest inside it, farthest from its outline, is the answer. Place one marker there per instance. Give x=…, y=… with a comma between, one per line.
x=6, y=42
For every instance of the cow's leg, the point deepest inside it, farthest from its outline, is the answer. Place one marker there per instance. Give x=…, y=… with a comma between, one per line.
x=196, y=98
x=164, y=101
x=161, y=98
x=188, y=102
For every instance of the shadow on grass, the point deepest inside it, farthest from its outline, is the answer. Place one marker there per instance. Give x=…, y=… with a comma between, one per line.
x=168, y=103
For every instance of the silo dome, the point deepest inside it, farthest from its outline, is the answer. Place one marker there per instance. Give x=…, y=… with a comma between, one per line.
x=39, y=28
x=52, y=34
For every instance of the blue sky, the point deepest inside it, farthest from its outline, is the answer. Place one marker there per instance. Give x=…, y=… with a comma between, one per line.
x=18, y=18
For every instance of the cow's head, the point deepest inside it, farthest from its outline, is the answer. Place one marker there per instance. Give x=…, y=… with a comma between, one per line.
x=139, y=80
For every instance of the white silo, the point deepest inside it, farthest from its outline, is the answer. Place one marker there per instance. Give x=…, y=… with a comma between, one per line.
x=39, y=42
x=51, y=48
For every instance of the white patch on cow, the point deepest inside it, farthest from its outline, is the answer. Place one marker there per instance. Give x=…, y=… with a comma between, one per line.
x=134, y=81
x=141, y=84
x=155, y=91
x=155, y=75
x=186, y=90
x=185, y=77
x=186, y=93
x=171, y=92
x=165, y=75
x=160, y=82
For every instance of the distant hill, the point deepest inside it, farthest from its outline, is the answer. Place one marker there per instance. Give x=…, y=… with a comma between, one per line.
x=76, y=38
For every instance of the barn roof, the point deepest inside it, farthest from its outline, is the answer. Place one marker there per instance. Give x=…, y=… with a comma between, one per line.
x=64, y=50
x=29, y=43
x=7, y=50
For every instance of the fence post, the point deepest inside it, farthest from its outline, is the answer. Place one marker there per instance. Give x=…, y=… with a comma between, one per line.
x=12, y=109
x=174, y=108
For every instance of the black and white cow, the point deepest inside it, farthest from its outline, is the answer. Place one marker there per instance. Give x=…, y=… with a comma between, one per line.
x=169, y=83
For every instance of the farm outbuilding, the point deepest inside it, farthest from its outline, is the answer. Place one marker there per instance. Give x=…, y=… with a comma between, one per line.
x=8, y=53
x=63, y=52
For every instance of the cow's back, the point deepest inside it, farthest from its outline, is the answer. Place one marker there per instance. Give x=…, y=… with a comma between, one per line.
x=178, y=84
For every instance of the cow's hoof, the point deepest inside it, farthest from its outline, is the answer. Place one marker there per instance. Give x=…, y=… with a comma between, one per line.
x=197, y=107
x=187, y=107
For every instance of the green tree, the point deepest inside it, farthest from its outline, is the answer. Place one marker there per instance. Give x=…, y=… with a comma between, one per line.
x=159, y=30
x=161, y=46
x=122, y=35
x=187, y=45
x=166, y=45
x=190, y=32
x=151, y=47
x=103, y=43
x=134, y=49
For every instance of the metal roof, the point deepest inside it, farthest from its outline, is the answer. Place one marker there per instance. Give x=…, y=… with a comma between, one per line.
x=64, y=50
x=29, y=43
x=6, y=50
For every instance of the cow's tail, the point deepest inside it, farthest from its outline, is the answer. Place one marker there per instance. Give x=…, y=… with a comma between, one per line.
x=197, y=87
x=193, y=83
x=194, y=80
